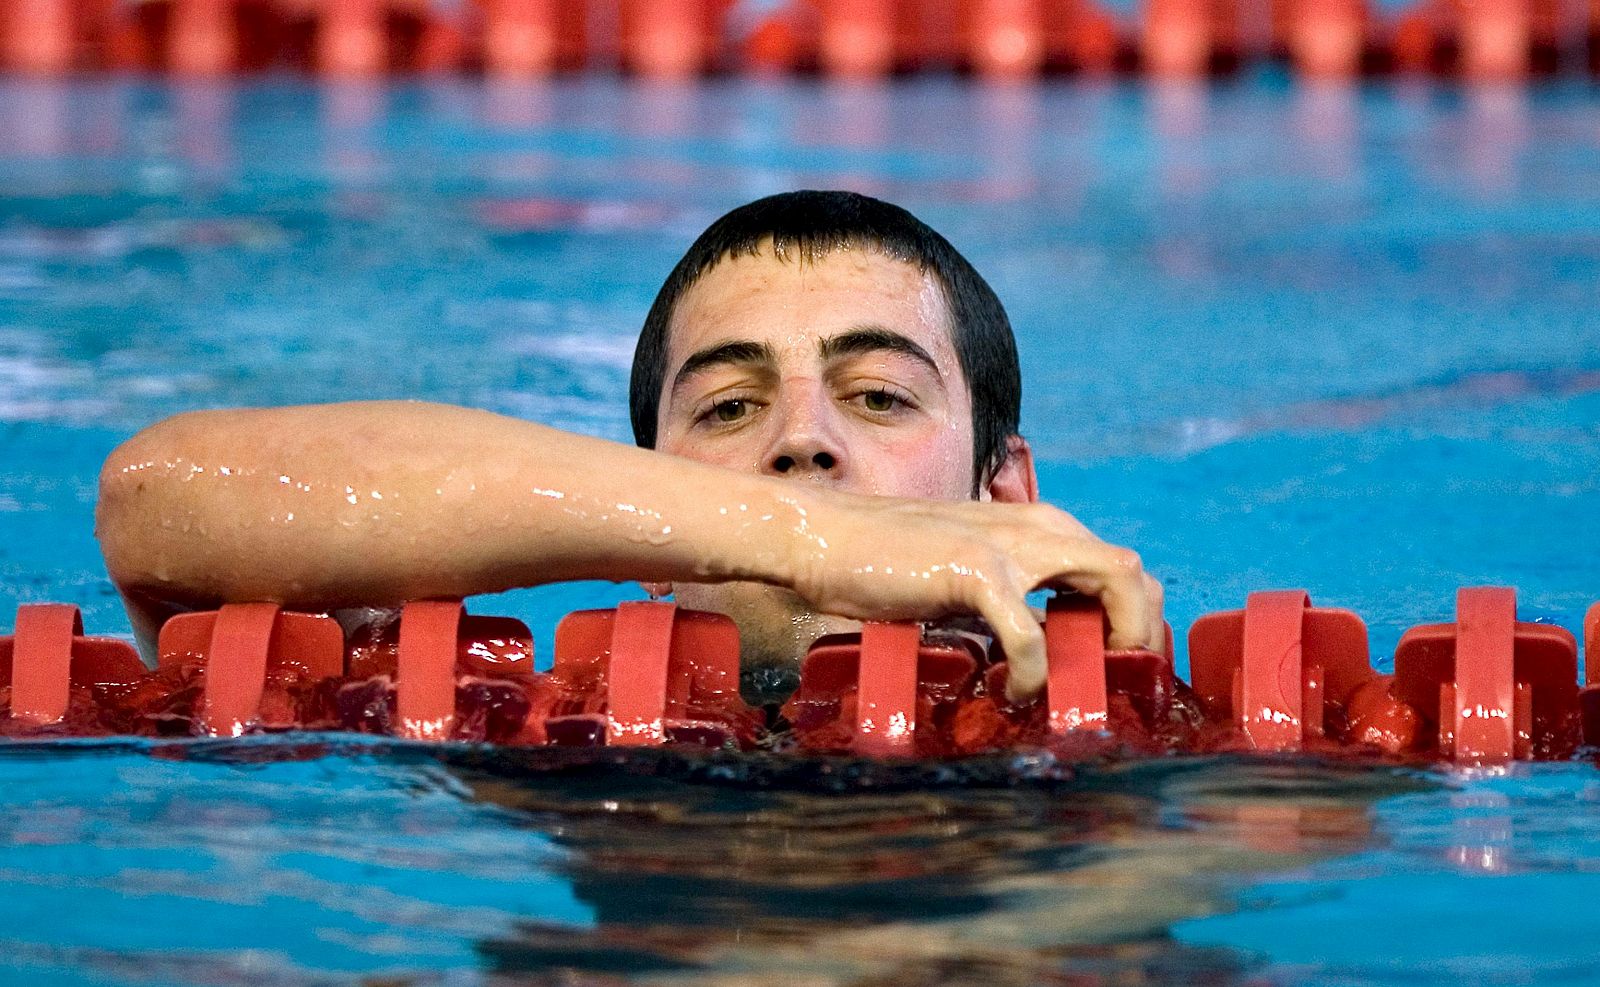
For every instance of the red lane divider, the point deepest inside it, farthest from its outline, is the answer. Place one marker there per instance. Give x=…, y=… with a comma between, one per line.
x=1495, y=38
x=200, y=37
x=1589, y=698
x=1007, y=38
x=885, y=692
x=665, y=39
x=1278, y=675
x=649, y=673
x=351, y=38
x=521, y=38
x=1274, y=668
x=855, y=39
x=1176, y=40
x=1492, y=687
x=237, y=645
x=1075, y=644
x=886, y=698
x=1327, y=38
x=1591, y=646
x=40, y=36
x=48, y=654
x=425, y=677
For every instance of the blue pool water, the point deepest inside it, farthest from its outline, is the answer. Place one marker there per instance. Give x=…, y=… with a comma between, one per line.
x=1273, y=335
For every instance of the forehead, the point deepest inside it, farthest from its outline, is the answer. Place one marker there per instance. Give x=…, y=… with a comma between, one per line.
x=792, y=302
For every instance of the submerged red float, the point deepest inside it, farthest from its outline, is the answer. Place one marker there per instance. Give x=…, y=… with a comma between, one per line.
x=1279, y=675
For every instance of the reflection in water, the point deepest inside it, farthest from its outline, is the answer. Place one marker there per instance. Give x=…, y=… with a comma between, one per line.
x=34, y=116
x=1483, y=832
x=1179, y=112
x=1327, y=117
x=517, y=104
x=1008, y=117
x=351, y=109
x=205, y=115
x=1496, y=134
x=1023, y=884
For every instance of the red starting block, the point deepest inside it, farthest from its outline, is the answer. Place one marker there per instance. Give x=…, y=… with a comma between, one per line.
x=649, y=673
x=238, y=644
x=865, y=691
x=47, y=655
x=1273, y=668
x=1493, y=687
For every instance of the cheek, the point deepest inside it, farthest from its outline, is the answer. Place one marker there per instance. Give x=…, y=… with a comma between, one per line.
x=729, y=451
x=936, y=468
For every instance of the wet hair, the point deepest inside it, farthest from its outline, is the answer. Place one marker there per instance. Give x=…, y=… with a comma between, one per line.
x=809, y=225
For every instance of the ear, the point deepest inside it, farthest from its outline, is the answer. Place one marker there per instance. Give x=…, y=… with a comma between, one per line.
x=1015, y=482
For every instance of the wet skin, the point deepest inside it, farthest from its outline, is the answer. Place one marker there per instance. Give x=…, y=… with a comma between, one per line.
x=838, y=371
x=842, y=482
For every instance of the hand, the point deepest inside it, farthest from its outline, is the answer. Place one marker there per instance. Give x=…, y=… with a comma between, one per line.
x=892, y=559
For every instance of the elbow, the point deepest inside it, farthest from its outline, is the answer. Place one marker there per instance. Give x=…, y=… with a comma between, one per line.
x=128, y=505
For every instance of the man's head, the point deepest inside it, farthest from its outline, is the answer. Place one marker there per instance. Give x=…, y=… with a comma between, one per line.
x=801, y=228
x=830, y=338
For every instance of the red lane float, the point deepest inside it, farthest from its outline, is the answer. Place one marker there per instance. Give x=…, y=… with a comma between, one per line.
x=649, y=673
x=857, y=38
x=352, y=40
x=520, y=38
x=890, y=692
x=1279, y=669
x=1589, y=697
x=1083, y=36
x=1176, y=42
x=200, y=38
x=1277, y=676
x=1006, y=38
x=1327, y=39
x=48, y=655
x=665, y=39
x=238, y=645
x=1491, y=688
x=881, y=693
x=1495, y=39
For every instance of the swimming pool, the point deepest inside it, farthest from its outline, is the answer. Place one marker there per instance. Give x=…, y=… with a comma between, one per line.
x=1272, y=335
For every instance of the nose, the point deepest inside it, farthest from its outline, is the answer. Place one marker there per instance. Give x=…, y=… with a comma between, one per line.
x=805, y=442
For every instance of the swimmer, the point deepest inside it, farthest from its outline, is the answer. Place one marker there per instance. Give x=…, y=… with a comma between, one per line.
x=826, y=398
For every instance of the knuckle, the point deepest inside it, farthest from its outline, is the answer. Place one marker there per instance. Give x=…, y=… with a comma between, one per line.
x=1126, y=562
x=1153, y=589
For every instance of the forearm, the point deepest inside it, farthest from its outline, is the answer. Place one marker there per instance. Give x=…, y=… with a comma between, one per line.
x=370, y=503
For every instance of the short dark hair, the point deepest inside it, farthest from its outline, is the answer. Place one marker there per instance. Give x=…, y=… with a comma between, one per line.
x=811, y=224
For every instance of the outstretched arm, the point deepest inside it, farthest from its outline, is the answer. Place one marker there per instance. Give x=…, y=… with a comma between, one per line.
x=379, y=502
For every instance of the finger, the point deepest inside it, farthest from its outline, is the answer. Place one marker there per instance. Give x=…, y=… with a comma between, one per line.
x=1123, y=597
x=1155, y=598
x=1022, y=639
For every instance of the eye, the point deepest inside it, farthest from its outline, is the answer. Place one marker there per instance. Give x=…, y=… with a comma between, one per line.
x=882, y=400
x=726, y=411
x=879, y=401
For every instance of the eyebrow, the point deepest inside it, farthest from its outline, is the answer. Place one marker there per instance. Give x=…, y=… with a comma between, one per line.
x=739, y=352
x=874, y=339
x=851, y=342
